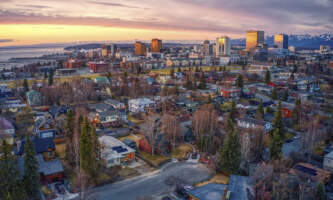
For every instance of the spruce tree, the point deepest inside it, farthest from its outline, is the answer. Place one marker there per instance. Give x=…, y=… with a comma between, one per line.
x=239, y=81
x=267, y=77
x=85, y=147
x=296, y=113
x=69, y=132
x=274, y=94
x=278, y=123
x=31, y=175
x=320, y=192
x=277, y=135
x=260, y=111
x=25, y=85
x=233, y=111
x=10, y=183
x=51, y=73
x=96, y=152
x=285, y=95
x=230, y=152
x=172, y=71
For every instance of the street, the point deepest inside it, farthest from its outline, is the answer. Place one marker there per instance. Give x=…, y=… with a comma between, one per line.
x=153, y=183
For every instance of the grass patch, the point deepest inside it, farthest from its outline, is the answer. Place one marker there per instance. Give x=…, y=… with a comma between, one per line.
x=127, y=172
x=60, y=150
x=218, y=178
x=155, y=160
x=134, y=120
x=181, y=151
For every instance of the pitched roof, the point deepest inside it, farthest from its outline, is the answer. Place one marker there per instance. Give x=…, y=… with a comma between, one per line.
x=211, y=191
x=5, y=124
x=41, y=145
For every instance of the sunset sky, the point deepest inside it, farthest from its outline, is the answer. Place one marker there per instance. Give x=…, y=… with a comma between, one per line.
x=49, y=21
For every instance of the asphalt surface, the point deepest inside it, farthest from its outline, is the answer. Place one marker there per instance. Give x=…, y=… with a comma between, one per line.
x=156, y=183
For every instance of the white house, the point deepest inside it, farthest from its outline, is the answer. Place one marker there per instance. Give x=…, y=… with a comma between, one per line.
x=328, y=161
x=139, y=105
x=7, y=130
x=114, y=152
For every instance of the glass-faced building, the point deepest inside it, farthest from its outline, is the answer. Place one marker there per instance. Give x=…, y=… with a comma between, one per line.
x=254, y=39
x=281, y=41
x=222, y=46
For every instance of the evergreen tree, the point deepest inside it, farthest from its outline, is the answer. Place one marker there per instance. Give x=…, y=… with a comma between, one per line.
x=267, y=77
x=285, y=95
x=296, y=113
x=320, y=192
x=31, y=175
x=233, y=111
x=220, y=68
x=45, y=75
x=230, y=152
x=260, y=111
x=277, y=135
x=274, y=94
x=202, y=84
x=292, y=76
x=10, y=183
x=85, y=147
x=239, y=81
x=96, y=152
x=51, y=73
x=275, y=145
x=69, y=131
x=179, y=70
x=108, y=75
x=25, y=85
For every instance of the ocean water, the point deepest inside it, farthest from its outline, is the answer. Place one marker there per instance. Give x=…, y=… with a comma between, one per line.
x=25, y=52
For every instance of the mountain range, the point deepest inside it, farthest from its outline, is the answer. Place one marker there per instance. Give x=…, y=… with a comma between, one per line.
x=300, y=41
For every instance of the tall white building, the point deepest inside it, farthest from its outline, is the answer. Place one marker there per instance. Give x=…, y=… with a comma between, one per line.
x=223, y=46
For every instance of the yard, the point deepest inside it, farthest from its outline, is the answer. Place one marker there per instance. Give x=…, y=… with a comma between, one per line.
x=60, y=150
x=181, y=151
x=218, y=178
x=155, y=160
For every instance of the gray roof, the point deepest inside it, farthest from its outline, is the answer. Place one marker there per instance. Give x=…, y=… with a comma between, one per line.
x=211, y=191
x=44, y=167
x=241, y=187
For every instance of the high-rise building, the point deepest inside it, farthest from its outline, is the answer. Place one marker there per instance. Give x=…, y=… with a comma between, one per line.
x=139, y=48
x=254, y=39
x=156, y=45
x=108, y=50
x=222, y=46
x=281, y=41
x=207, y=48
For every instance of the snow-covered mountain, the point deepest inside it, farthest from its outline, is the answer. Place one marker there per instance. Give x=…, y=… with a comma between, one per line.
x=305, y=41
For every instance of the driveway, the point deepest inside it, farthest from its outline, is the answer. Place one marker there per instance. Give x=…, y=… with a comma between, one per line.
x=153, y=183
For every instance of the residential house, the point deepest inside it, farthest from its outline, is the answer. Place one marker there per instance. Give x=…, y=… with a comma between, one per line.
x=328, y=161
x=230, y=93
x=241, y=188
x=7, y=131
x=209, y=191
x=139, y=105
x=43, y=146
x=34, y=98
x=253, y=123
x=161, y=145
x=312, y=172
x=49, y=170
x=115, y=104
x=115, y=152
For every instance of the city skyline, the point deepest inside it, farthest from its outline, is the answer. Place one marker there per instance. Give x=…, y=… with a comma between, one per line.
x=53, y=21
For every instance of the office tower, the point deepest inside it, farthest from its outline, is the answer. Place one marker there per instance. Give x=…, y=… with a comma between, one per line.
x=156, y=45
x=222, y=46
x=206, y=48
x=108, y=50
x=139, y=49
x=281, y=41
x=254, y=39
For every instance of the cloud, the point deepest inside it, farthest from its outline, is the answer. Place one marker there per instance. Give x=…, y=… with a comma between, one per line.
x=114, y=4
x=8, y=17
x=6, y=40
x=32, y=6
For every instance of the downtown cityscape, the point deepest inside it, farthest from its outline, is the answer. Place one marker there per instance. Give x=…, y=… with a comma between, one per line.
x=147, y=100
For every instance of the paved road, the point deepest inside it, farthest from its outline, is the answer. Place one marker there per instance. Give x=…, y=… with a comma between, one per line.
x=153, y=183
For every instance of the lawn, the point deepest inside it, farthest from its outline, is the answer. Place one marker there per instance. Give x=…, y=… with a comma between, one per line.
x=134, y=120
x=181, y=151
x=60, y=150
x=155, y=160
x=218, y=178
